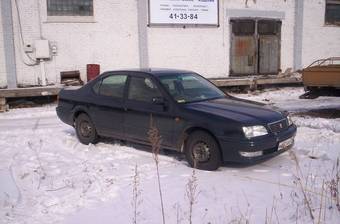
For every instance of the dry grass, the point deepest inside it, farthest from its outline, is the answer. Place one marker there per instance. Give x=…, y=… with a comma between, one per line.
x=136, y=195
x=315, y=199
x=156, y=140
x=192, y=193
x=334, y=185
x=40, y=170
x=299, y=177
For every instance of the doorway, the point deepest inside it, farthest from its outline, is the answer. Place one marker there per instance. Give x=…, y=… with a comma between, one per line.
x=255, y=47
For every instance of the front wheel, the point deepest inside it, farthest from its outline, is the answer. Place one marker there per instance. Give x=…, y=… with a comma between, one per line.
x=86, y=132
x=202, y=151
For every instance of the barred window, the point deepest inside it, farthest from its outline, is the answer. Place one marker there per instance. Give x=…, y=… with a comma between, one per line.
x=332, y=15
x=70, y=7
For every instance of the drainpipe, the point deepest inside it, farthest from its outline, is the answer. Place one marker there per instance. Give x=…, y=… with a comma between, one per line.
x=298, y=34
x=142, y=17
x=9, y=48
x=43, y=72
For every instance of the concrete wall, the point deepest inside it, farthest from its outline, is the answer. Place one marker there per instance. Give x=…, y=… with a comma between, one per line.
x=3, y=78
x=319, y=40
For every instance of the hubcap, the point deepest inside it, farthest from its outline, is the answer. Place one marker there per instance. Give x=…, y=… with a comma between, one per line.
x=85, y=129
x=201, y=152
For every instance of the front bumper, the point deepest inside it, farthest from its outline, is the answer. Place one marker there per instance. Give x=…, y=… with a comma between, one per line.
x=257, y=149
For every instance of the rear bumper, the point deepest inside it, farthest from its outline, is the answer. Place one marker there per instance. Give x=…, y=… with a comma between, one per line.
x=268, y=145
x=65, y=115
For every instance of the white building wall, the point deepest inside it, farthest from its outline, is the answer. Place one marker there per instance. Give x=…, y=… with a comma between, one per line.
x=319, y=40
x=207, y=49
x=28, y=11
x=3, y=76
x=110, y=40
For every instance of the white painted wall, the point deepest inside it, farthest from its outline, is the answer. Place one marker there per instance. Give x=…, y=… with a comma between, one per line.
x=206, y=49
x=111, y=40
x=319, y=40
x=3, y=76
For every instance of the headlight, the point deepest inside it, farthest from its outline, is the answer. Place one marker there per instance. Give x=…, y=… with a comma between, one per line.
x=290, y=121
x=254, y=131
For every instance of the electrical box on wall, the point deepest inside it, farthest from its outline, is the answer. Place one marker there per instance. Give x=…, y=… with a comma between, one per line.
x=42, y=49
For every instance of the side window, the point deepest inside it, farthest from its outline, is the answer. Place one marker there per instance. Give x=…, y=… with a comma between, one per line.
x=113, y=86
x=142, y=89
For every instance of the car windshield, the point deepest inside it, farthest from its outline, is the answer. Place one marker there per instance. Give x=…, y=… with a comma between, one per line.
x=190, y=87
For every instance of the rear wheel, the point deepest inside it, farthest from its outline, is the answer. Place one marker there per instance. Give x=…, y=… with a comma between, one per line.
x=86, y=132
x=202, y=151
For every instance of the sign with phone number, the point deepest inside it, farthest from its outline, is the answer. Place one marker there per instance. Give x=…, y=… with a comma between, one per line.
x=197, y=12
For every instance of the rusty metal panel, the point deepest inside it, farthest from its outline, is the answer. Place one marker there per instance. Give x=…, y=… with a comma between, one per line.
x=243, y=55
x=269, y=54
x=322, y=73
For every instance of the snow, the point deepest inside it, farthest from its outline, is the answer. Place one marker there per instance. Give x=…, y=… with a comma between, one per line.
x=47, y=176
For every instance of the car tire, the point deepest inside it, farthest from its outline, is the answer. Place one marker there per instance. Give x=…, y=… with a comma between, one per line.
x=85, y=130
x=202, y=151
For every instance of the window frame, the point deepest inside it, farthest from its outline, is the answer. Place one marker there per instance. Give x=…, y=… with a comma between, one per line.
x=332, y=2
x=69, y=19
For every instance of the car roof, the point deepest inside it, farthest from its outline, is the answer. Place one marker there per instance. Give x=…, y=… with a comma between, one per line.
x=156, y=71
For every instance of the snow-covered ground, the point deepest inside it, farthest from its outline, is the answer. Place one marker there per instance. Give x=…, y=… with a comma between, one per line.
x=47, y=176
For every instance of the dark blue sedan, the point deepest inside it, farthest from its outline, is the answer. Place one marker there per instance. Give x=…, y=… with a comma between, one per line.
x=192, y=115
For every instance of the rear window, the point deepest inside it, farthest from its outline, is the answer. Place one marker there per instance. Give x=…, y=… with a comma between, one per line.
x=113, y=86
x=96, y=86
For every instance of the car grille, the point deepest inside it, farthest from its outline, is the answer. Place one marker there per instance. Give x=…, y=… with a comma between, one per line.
x=278, y=126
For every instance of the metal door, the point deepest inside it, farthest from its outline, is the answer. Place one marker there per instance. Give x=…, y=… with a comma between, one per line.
x=243, y=47
x=269, y=46
x=268, y=55
x=255, y=47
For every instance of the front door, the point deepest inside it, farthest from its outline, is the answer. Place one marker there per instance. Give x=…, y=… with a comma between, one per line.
x=255, y=47
x=141, y=108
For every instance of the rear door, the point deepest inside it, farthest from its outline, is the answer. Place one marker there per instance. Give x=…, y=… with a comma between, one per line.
x=142, y=89
x=107, y=111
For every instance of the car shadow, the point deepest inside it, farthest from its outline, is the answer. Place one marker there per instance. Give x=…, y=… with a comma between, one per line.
x=166, y=152
x=146, y=148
